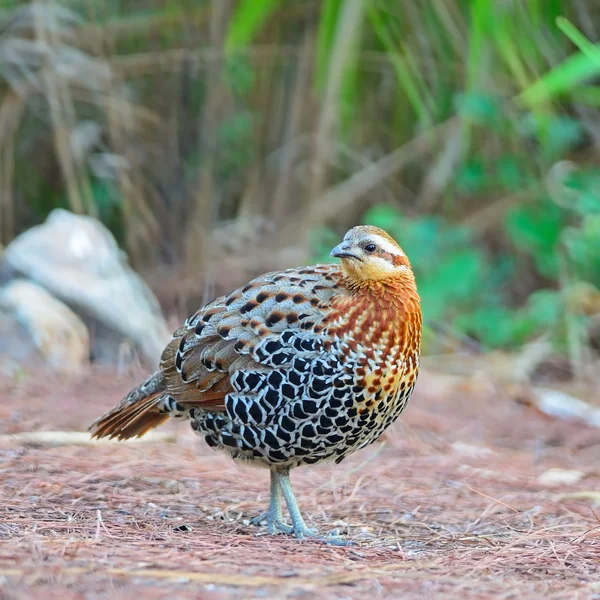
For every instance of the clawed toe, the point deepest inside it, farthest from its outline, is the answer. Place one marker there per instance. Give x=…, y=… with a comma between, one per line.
x=280, y=485
x=333, y=539
x=277, y=526
x=305, y=532
x=260, y=519
x=274, y=525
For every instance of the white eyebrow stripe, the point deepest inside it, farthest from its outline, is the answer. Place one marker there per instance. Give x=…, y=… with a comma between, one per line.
x=386, y=245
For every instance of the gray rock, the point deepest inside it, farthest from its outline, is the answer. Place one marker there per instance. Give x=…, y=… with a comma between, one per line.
x=37, y=328
x=78, y=261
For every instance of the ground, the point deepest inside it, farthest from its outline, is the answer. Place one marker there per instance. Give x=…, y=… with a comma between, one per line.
x=450, y=504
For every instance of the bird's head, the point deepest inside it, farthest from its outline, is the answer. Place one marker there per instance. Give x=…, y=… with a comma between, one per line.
x=369, y=254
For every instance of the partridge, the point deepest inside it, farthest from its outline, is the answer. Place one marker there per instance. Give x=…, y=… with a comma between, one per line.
x=298, y=367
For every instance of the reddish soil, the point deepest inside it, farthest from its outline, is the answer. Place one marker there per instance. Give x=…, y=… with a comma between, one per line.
x=448, y=506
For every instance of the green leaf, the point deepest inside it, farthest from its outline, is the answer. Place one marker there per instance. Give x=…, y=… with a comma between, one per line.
x=491, y=325
x=510, y=173
x=327, y=27
x=581, y=244
x=563, y=133
x=247, y=20
x=480, y=26
x=422, y=241
x=322, y=240
x=544, y=308
x=384, y=216
x=460, y=273
x=411, y=85
x=478, y=108
x=239, y=75
x=556, y=134
x=472, y=177
x=563, y=77
x=535, y=229
x=578, y=38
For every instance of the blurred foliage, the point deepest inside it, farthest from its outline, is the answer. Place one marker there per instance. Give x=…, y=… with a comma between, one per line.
x=467, y=128
x=464, y=285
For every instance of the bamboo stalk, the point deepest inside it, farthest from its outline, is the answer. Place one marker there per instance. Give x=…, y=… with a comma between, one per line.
x=62, y=116
x=11, y=114
x=347, y=30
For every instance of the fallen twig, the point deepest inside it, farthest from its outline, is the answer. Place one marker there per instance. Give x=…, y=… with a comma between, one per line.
x=49, y=439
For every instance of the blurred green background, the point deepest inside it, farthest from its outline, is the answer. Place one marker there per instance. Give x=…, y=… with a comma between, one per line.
x=469, y=129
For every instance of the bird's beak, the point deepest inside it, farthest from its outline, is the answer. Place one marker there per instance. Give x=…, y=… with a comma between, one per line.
x=343, y=250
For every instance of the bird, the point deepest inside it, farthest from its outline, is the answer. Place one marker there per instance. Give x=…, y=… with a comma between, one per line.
x=298, y=367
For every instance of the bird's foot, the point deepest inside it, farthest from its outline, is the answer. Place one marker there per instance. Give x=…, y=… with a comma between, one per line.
x=274, y=524
x=332, y=538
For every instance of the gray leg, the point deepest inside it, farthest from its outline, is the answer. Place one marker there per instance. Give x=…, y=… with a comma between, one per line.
x=299, y=528
x=274, y=515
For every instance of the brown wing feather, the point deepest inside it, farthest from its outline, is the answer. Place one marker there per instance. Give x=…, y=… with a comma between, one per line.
x=219, y=340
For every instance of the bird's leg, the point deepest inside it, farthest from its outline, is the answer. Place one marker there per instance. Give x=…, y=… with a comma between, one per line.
x=299, y=527
x=274, y=515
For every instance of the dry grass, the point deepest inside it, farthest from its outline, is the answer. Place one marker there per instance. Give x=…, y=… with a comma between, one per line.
x=450, y=506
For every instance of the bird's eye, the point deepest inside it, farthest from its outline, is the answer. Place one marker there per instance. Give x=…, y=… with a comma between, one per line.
x=370, y=248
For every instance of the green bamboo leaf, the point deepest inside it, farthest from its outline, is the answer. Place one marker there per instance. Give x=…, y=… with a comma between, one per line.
x=577, y=37
x=247, y=20
x=480, y=19
x=399, y=62
x=327, y=25
x=560, y=79
x=569, y=73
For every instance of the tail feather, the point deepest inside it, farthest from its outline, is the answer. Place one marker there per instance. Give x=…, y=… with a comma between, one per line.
x=136, y=414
